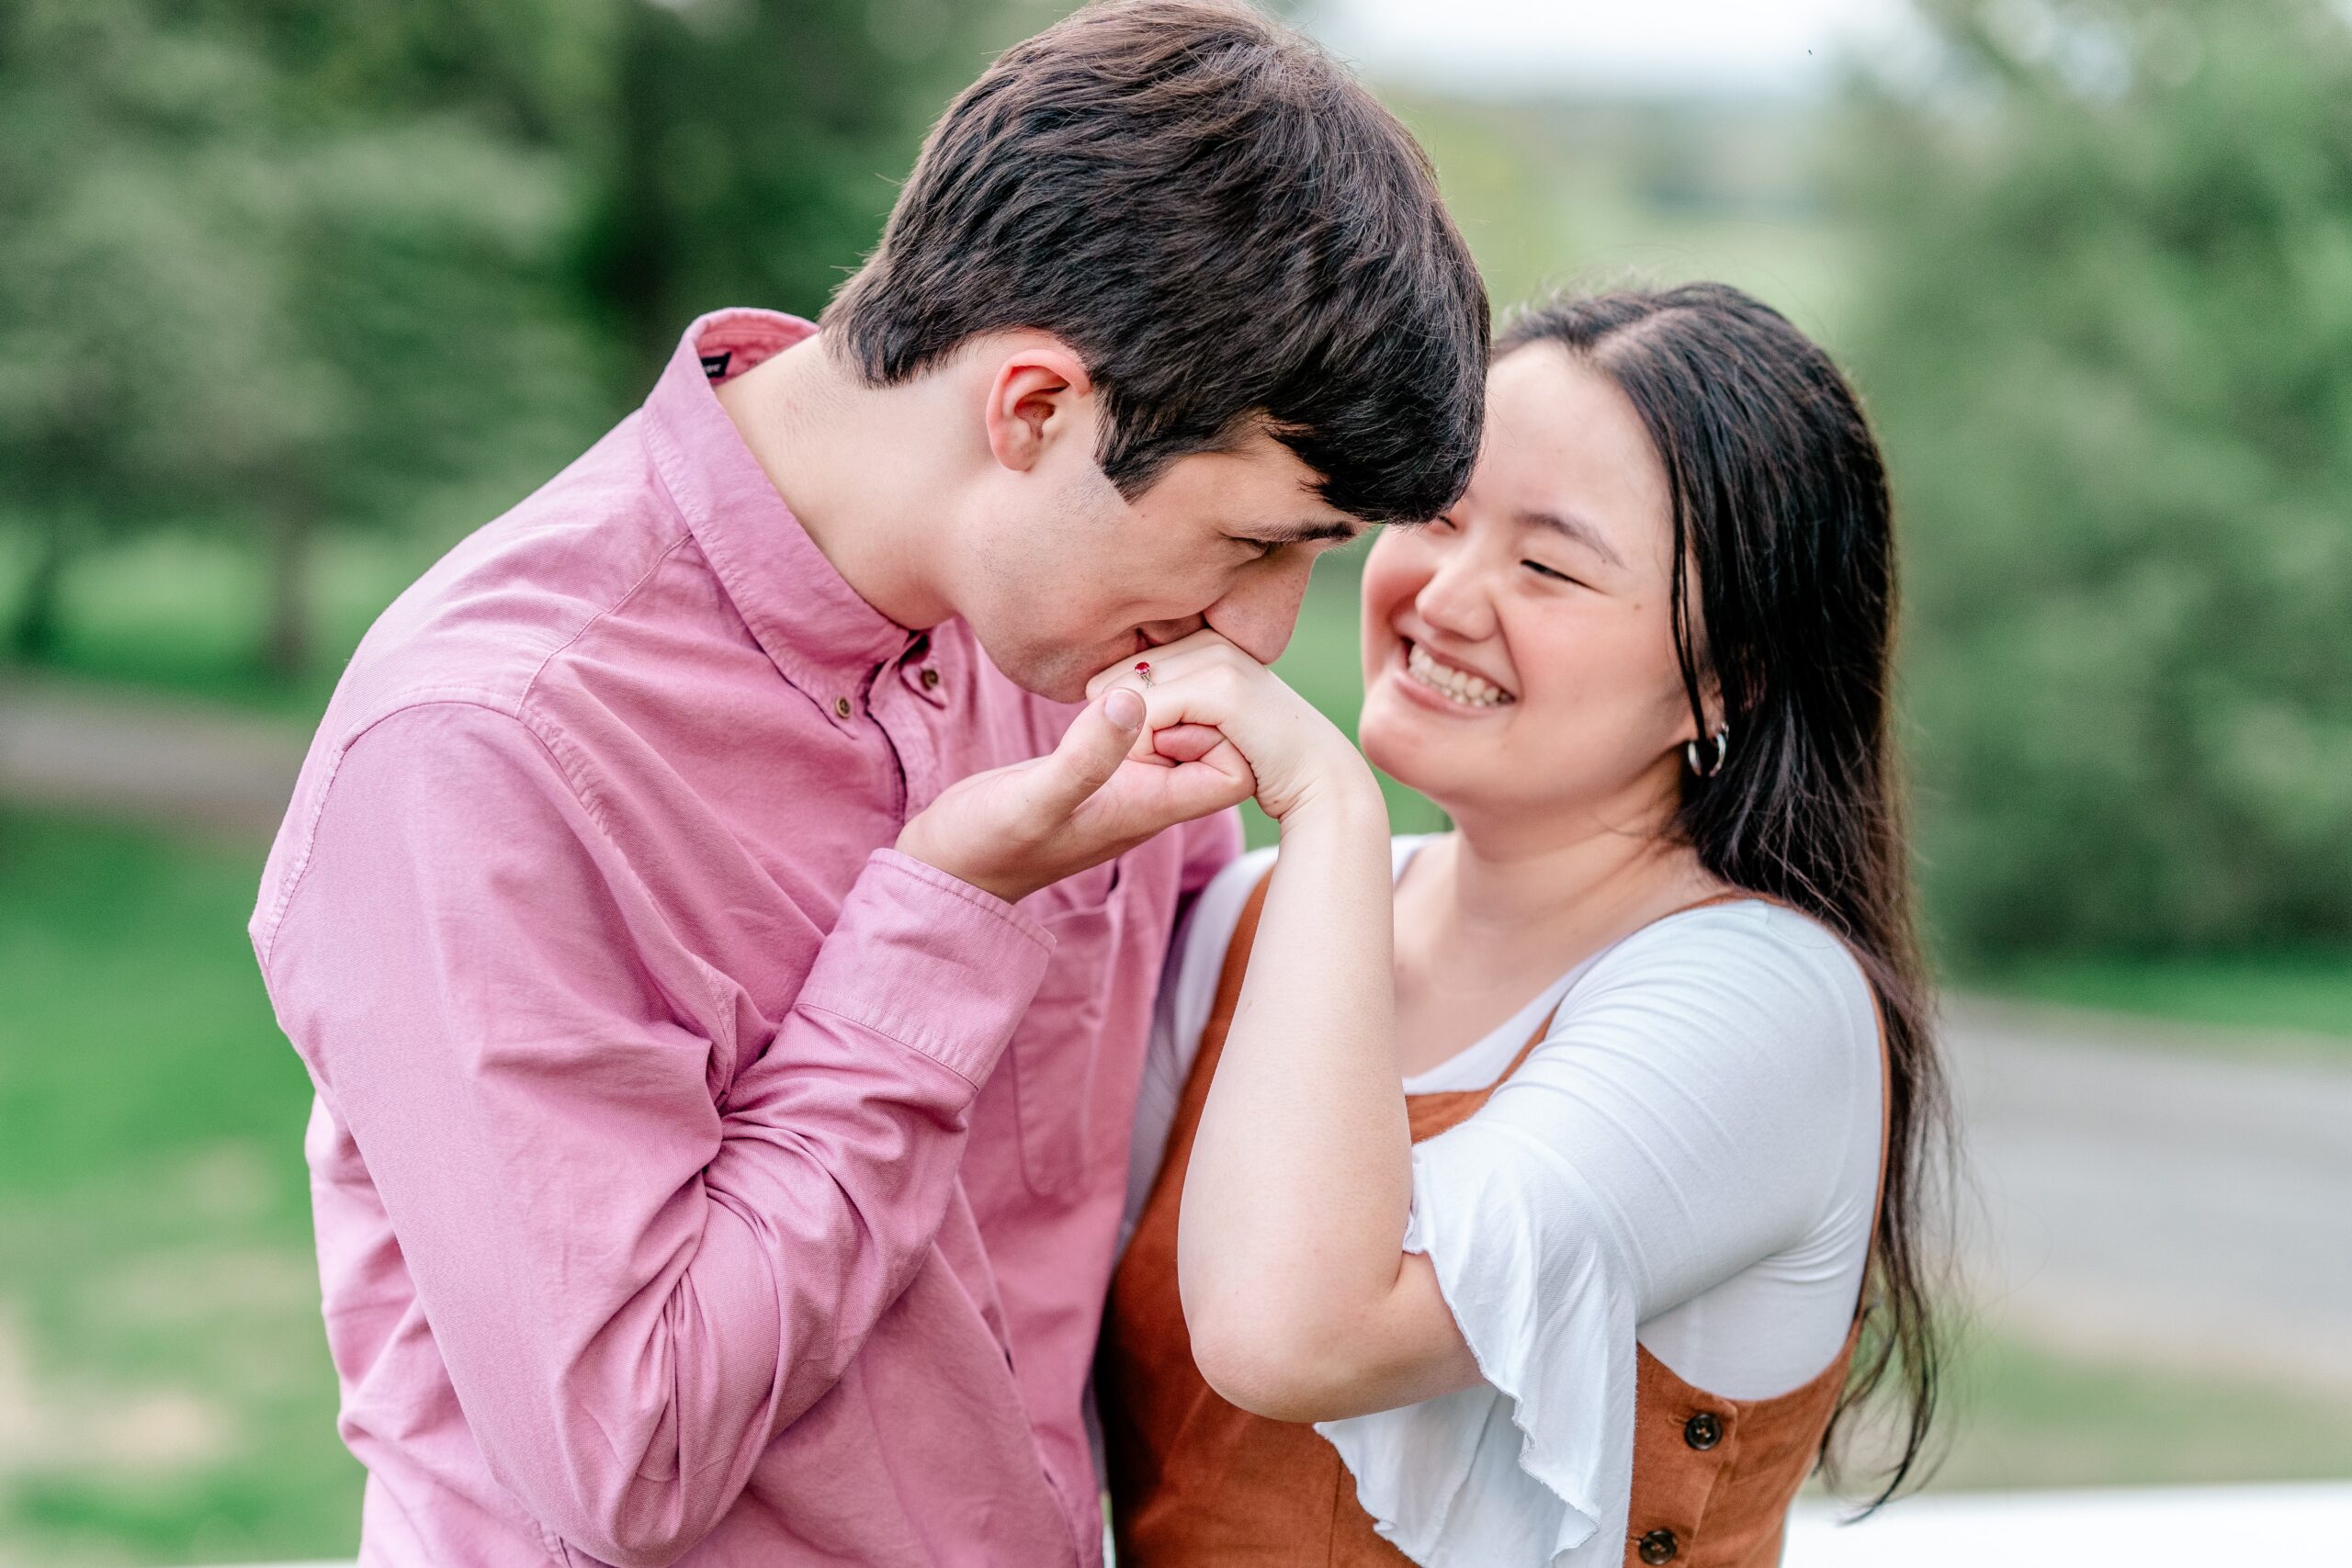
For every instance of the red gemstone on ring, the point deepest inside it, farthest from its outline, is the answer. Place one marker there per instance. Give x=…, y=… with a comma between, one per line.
x=1143, y=666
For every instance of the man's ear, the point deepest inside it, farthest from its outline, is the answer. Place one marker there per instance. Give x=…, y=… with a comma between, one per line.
x=1038, y=396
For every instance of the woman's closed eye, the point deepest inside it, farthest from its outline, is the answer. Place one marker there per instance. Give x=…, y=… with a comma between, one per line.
x=1553, y=572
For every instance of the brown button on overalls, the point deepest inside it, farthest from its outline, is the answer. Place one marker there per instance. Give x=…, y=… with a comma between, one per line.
x=1196, y=1482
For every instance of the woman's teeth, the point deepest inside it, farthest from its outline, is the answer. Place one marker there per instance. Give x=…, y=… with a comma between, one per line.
x=1469, y=689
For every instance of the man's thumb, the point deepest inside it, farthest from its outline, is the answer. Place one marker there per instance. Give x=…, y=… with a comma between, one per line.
x=1097, y=742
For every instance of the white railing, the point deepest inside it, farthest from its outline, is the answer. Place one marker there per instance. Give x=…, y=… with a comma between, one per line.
x=2179, y=1527
x=2172, y=1527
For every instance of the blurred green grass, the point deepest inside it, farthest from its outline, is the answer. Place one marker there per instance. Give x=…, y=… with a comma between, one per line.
x=177, y=612
x=2308, y=993
x=164, y=1389
x=2025, y=1415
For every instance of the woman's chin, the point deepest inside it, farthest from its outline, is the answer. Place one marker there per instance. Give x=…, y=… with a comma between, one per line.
x=1399, y=743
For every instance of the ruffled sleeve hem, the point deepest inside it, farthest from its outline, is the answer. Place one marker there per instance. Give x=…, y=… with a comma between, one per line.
x=1535, y=1464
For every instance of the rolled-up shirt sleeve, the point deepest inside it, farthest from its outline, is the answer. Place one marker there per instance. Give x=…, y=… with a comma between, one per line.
x=635, y=1274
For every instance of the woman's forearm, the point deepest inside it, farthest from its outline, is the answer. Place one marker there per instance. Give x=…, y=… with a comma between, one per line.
x=1300, y=1182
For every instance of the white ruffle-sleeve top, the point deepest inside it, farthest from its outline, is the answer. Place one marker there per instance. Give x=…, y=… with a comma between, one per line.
x=1688, y=1160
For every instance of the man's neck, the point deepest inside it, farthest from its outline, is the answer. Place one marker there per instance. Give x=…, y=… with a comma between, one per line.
x=860, y=466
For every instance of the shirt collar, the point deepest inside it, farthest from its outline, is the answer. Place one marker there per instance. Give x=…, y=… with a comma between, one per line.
x=812, y=625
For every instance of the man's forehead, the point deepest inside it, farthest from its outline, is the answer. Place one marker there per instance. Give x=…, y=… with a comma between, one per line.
x=1294, y=509
x=1257, y=489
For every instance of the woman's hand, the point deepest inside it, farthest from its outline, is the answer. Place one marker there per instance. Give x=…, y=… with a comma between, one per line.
x=1201, y=684
x=1012, y=831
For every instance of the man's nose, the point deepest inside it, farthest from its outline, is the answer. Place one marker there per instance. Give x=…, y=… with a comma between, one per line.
x=1260, y=612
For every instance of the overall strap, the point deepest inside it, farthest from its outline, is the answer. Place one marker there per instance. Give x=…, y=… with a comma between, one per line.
x=1237, y=957
x=1226, y=1002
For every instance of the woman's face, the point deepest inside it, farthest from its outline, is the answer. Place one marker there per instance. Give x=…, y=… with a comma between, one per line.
x=1518, y=654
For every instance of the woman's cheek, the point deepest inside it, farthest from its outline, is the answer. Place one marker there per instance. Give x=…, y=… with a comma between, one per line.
x=1373, y=585
x=1391, y=578
x=1401, y=563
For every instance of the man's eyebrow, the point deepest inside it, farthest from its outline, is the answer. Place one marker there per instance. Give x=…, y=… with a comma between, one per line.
x=1573, y=527
x=1305, y=533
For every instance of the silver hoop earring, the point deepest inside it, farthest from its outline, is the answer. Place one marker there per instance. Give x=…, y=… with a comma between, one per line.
x=1722, y=738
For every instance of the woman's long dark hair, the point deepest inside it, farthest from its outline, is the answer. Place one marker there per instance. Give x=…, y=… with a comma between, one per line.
x=1781, y=509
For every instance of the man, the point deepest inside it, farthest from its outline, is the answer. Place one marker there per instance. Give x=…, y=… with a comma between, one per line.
x=673, y=1202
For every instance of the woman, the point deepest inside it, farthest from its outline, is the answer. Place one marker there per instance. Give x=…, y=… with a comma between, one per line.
x=1564, y=1242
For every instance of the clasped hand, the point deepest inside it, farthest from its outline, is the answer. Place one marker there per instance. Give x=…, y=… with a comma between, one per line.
x=1209, y=728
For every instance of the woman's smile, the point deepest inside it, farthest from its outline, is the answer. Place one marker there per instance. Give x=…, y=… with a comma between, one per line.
x=1441, y=685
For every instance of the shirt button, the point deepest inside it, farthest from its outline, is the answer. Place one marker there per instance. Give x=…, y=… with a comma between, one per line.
x=1702, y=1431
x=930, y=679
x=840, y=707
x=1659, y=1546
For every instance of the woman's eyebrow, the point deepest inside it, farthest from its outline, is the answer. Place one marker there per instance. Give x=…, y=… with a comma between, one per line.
x=1573, y=527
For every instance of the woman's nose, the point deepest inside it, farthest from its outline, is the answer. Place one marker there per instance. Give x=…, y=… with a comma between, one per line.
x=1458, y=598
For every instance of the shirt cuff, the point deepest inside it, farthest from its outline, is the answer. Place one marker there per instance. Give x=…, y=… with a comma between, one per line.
x=931, y=960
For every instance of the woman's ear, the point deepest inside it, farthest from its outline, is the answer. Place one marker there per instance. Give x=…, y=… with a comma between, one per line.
x=1040, y=394
x=1711, y=706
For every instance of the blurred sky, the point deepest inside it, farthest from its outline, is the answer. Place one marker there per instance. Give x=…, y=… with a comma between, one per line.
x=1617, y=46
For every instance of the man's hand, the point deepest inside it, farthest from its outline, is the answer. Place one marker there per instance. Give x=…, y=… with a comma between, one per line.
x=1012, y=831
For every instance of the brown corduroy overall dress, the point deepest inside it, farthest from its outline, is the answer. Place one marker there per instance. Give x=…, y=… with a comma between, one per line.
x=1197, y=1483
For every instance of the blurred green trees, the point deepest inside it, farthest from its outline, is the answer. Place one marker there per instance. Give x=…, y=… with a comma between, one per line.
x=2109, y=349
x=757, y=147
x=269, y=265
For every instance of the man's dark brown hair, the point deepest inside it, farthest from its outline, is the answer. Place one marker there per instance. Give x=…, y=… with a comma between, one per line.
x=1225, y=227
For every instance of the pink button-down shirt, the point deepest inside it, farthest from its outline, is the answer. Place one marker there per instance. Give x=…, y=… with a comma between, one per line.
x=673, y=1200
